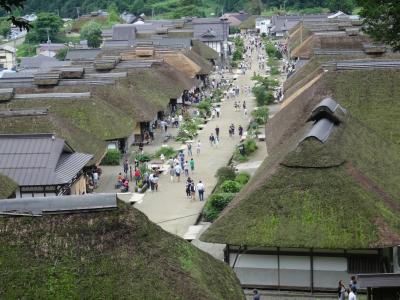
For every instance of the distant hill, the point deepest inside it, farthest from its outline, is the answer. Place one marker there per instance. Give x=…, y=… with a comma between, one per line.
x=179, y=8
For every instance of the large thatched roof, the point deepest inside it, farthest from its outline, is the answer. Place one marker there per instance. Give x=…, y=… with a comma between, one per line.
x=320, y=195
x=116, y=254
x=205, y=65
x=339, y=194
x=146, y=90
x=204, y=51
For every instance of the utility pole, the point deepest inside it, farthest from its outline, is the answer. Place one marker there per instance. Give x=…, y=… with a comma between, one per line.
x=48, y=42
x=77, y=11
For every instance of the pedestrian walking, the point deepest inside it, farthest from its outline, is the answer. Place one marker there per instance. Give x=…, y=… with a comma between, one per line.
x=198, y=147
x=186, y=168
x=126, y=166
x=218, y=110
x=191, y=163
x=240, y=129
x=189, y=149
x=245, y=112
x=178, y=171
x=341, y=290
x=154, y=180
x=211, y=139
x=171, y=172
x=95, y=177
x=217, y=131
x=256, y=295
x=244, y=104
x=193, y=190
x=188, y=187
x=200, y=188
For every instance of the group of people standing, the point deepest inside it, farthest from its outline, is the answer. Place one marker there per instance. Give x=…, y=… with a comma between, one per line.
x=350, y=292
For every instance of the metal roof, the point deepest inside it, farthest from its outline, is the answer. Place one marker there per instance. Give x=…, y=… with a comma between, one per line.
x=330, y=104
x=320, y=130
x=42, y=62
x=39, y=159
x=82, y=54
x=39, y=206
x=378, y=280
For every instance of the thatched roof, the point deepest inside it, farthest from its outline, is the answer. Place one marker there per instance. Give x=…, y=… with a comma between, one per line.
x=146, y=90
x=249, y=23
x=79, y=139
x=7, y=187
x=339, y=194
x=204, y=51
x=205, y=65
x=115, y=254
x=320, y=195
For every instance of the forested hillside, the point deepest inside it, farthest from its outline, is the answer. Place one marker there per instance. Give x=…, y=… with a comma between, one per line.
x=179, y=8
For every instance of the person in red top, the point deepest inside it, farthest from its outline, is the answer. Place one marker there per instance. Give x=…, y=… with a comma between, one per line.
x=137, y=176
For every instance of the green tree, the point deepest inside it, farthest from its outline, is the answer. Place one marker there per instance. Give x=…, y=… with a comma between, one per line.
x=46, y=23
x=382, y=20
x=91, y=32
x=113, y=15
x=62, y=53
x=5, y=28
x=345, y=6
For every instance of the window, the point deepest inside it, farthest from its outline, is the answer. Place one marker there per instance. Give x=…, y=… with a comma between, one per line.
x=363, y=264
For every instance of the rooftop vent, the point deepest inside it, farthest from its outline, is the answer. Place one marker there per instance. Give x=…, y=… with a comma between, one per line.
x=328, y=109
x=321, y=131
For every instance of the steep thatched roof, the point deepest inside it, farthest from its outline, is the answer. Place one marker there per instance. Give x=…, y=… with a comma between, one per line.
x=249, y=23
x=146, y=90
x=204, y=51
x=331, y=195
x=7, y=187
x=340, y=194
x=117, y=254
x=206, y=66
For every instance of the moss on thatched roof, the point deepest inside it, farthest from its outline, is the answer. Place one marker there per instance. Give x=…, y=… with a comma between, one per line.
x=146, y=90
x=7, y=187
x=115, y=254
x=206, y=66
x=341, y=194
x=80, y=140
x=249, y=23
x=204, y=51
x=371, y=96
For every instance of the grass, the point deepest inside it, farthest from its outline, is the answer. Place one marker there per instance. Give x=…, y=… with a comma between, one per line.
x=312, y=200
x=370, y=96
x=7, y=187
x=116, y=254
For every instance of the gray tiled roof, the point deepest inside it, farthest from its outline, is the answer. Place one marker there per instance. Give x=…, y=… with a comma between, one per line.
x=38, y=206
x=82, y=54
x=39, y=159
x=41, y=62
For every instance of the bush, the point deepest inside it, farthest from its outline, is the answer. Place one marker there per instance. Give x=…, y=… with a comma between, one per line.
x=260, y=115
x=143, y=157
x=187, y=130
x=230, y=186
x=275, y=71
x=237, y=55
x=263, y=96
x=167, y=151
x=205, y=107
x=225, y=173
x=250, y=146
x=242, y=178
x=215, y=204
x=111, y=158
